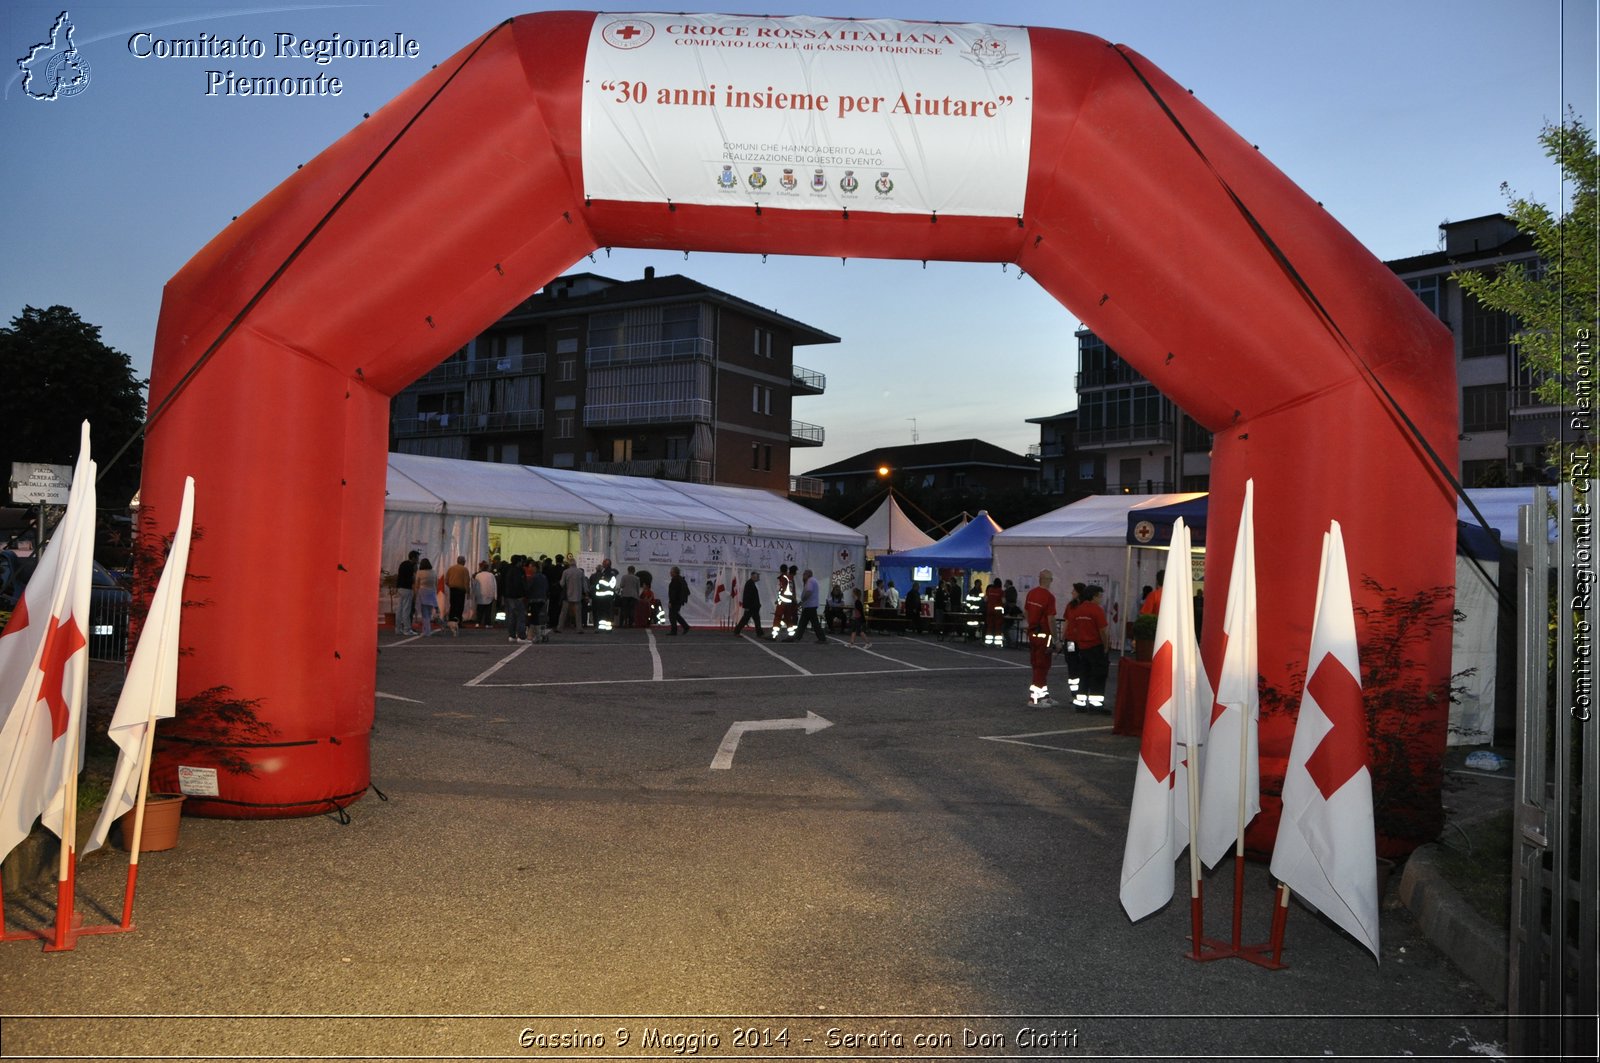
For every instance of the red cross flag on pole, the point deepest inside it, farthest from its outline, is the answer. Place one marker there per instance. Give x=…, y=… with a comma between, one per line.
x=1326, y=849
x=1230, y=793
x=44, y=673
x=1158, y=822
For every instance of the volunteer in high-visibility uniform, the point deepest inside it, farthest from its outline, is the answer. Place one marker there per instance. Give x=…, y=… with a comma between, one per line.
x=994, y=614
x=783, y=621
x=603, y=593
x=1039, y=609
x=1087, y=628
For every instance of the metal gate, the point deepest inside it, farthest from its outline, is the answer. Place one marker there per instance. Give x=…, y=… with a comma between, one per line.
x=1552, y=983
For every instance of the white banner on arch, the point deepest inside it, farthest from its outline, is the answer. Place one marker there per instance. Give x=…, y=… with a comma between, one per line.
x=808, y=113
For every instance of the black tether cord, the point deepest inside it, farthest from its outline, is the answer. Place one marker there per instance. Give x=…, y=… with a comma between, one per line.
x=272, y=281
x=1327, y=321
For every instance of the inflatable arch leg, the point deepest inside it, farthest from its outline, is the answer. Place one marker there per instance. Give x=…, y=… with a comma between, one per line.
x=281, y=342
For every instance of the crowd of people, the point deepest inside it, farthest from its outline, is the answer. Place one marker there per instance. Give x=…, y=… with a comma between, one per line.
x=540, y=597
x=535, y=597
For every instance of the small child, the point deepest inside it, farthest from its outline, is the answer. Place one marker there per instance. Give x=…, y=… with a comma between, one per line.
x=858, y=619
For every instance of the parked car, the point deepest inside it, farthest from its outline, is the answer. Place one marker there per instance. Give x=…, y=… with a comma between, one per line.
x=109, y=603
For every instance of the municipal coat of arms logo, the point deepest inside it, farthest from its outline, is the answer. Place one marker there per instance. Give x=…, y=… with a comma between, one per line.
x=883, y=184
x=757, y=179
x=726, y=178
x=819, y=182
x=849, y=182
x=788, y=181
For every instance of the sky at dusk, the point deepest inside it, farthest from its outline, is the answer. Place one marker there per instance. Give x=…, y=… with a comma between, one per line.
x=1396, y=115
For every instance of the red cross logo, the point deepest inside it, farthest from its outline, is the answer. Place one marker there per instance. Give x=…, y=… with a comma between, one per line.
x=628, y=34
x=1343, y=750
x=1155, y=745
x=61, y=641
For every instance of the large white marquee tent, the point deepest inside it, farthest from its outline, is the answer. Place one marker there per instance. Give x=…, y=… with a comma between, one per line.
x=717, y=535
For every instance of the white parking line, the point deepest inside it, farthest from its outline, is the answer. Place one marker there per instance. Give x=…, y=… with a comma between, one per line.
x=756, y=642
x=731, y=678
x=655, y=657
x=1020, y=740
x=478, y=679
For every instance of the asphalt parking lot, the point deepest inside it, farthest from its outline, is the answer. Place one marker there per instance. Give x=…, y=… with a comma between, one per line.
x=583, y=854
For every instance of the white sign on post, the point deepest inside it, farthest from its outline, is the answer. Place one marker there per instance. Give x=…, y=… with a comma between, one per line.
x=808, y=113
x=42, y=484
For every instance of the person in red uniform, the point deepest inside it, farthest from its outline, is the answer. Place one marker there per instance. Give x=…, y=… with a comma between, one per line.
x=994, y=614
x=1069, y=649
x=1039, y=608
x=1152, y=601
x=1087, y=628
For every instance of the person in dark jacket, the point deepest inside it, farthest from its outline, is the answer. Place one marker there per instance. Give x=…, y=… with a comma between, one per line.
x=515, y=589
x=750, y=600
x=677, y=597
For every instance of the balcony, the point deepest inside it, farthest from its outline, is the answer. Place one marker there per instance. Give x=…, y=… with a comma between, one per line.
x=1053, y=449
x=679, y=411
x=455, y=424
x=511, y=365
x=808, y=381
x=681, y=469
x=1122, y=435
x=1142, y=487
x=805, y=435
x=806, y=487
x=690, y=347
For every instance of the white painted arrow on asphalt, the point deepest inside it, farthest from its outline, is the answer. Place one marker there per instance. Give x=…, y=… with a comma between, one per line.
x=730, y=741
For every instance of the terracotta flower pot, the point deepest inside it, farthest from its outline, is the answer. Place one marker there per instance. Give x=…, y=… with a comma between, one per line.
x=162, y=813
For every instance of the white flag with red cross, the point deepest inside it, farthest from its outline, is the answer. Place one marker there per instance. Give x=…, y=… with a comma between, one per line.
x=1230, y=792
x=1158, y=822
x=44, y=670
x=1326, y=849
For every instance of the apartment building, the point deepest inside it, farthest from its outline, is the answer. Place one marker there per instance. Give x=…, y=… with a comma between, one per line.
x=661, y=376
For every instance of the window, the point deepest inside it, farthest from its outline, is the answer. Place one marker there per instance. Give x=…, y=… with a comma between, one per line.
x=1483, y=408
x=766, y=457
x=564, y=427
x=755, y=398
x=677, y=448
x=1485, y=333
x=929, y=478
x=761, y=343
x=755, y=455
x=562, y=461
x=566, y=369
x=1427, y=289
x=566, y=402
x=766, y=400
x=622, y=450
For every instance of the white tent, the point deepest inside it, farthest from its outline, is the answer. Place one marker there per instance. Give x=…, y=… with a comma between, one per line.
x=889, y=529
x=1085, y=542
x=715, y=534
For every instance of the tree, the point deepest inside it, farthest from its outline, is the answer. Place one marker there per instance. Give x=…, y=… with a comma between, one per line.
x=1555, y=302
x=55, y=372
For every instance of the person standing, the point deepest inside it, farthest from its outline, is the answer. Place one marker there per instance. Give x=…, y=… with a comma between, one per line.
x=994, y=614
x=858, y=618
x=627, y=597
x=1089, y=632
x=1151, y=606
x=914, y=608
x=515, y=587
x=1039, y=609
x=485, y=589
x=572, y=585
x=427, y=595
x=810, y=602
x=405, y=585
x=677, y=598
x=538, y=603
x=1069, y=649
x=750, y=602
x=604, y=593
x=457, y=581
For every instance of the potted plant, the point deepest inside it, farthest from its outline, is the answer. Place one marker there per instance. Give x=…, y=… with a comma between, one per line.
x=1143, y=631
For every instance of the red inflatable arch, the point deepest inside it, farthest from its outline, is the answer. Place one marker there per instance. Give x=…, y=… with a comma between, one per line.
x=281, y=342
